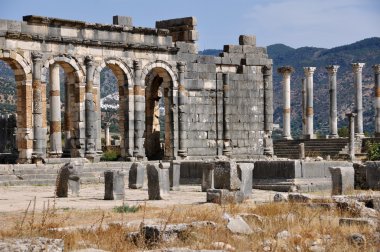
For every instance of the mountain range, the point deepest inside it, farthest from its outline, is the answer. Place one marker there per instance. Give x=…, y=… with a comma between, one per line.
x=366, y=51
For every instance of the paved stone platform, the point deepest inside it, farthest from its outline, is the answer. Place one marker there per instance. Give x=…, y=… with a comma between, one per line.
x=17, y=198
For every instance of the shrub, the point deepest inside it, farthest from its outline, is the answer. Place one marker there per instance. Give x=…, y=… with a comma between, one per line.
x=126, y=209
x=373, y=151
x=110, y=155
x=344, y=132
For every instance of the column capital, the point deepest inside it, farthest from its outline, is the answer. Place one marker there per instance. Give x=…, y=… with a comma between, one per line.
x=285, y=70
x=181, y=66
x=89, y=60
x=357, y=67
x=137, y=65
x=376, y=68
x=309, y=71
x=36, y=56
x=349, y=115
x=266, y=69
x=332, y=69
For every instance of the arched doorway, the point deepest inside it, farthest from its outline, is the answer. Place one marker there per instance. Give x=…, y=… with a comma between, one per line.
x=159, y=139
x=23, y=98
x=115, y=107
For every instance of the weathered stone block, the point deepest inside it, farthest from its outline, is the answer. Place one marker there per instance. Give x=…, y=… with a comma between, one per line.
x=233, y=48
x=114, y=185
x=207, y=176
x=247, y=40
x=224, y=196
x=373, y=174
x=69, y=176
x=226, y=175
x=136, y=176
x=174, y=175
x=245, y=171
x=342, y=179
x=158, y=180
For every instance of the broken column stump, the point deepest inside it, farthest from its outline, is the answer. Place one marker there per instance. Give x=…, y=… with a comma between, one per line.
x=207, y=176
x=245, y=171
x=136, y=176
x=69, y=176
x=174, y=175
x=224, y=196
x=226, y=175
x=342, y=180
x=158, y=180
x=114, y=185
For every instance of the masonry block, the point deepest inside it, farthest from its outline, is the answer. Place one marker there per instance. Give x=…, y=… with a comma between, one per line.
x=226, y=175
x=247, y=40
x=136, y=176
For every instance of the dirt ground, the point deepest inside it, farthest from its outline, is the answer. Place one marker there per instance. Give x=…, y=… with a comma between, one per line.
x=17, y=198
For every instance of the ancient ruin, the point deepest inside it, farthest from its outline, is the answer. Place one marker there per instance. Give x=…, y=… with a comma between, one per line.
x=213, y=105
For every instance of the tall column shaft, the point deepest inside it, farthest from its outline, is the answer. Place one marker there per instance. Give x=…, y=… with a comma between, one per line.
x=68, y=120
x=139, y=113
x=333, y=117
x=182, y=113
x=357, y=69
x=227, y=150
x=91, y=129
x=39, y=137
x=286, y=71
x=304, y=93
x=376, y=70
x=351, y=145
x=309, y=71
x=55, y=112
x=107, y=133
x=268, y=109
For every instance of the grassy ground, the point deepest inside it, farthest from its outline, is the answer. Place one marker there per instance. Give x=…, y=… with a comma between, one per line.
x=306, y=225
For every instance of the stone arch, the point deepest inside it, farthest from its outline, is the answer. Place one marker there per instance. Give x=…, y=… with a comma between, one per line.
x=124, y=77
x=23, y=75
x=160, y=110
x=74, y=115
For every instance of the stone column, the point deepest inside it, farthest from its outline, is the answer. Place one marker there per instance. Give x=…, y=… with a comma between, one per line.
x=351, y=145
x=333, y=122
x=68, y=118
x=376, y=70
x=304, y=106
x=357, y=69
x=39, y=138
x=139, y=112
x=309, y=71
x=90, y=109
x=268, y=110
x=286, y=72
x=55, y=112
x=107, y=133
x=227, y=150
x=182, y=115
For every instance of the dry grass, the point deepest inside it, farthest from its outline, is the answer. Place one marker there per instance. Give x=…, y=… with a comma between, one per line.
x=306, y=226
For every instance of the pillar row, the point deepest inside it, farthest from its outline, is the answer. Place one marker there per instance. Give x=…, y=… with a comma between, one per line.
x=376, y=70
x=55, y=112
x=333, y=117
x=309, y=72
x=286, y=72
x=357, y=69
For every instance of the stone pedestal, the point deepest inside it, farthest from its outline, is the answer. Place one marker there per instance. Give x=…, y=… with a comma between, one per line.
x=333, y=117
x=158, y=180
x=136, y=176
x=373, y=175
x=357, y=69
x=376, y=70
x=309, y=72
x=114, y=185
x=286, y=72
x=174, y=175
x=245, y=171
x=207, y=176
x=342, y=180
x=226, y=175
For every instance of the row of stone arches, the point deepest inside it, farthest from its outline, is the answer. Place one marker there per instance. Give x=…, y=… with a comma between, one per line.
x=157, y=79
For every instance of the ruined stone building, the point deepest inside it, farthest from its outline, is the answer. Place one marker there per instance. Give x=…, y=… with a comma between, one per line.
x=213, y=105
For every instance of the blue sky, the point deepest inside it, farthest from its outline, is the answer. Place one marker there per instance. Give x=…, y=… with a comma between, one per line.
x=319, y=23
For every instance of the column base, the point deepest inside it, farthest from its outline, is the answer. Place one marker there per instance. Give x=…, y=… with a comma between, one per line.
x=287, y=137
x=332, y=136
x=359, y=135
